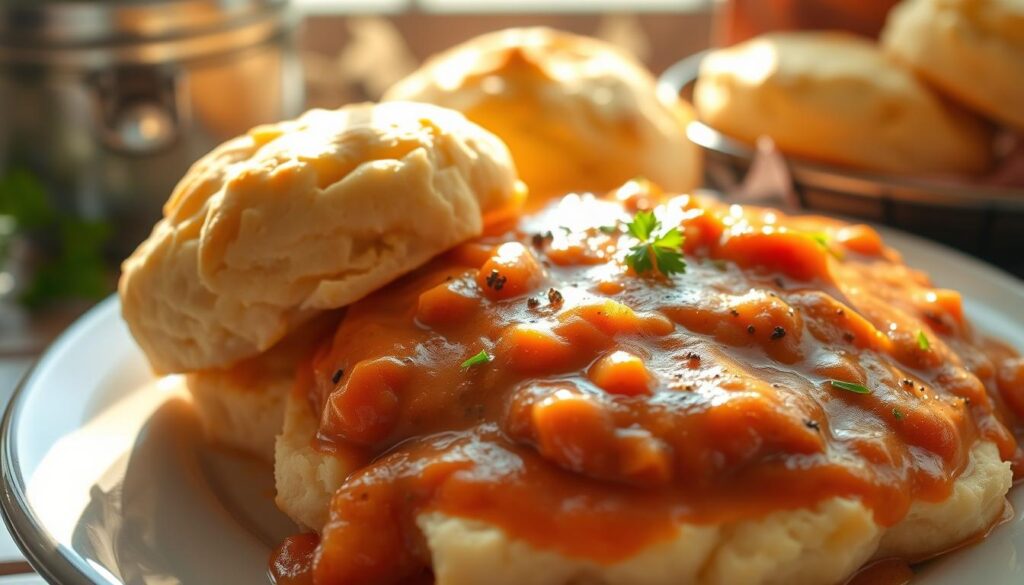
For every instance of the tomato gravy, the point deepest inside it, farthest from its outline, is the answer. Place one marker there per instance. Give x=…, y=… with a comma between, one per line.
x=533, y=381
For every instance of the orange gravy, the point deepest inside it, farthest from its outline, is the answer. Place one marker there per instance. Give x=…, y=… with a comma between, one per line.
x=607, y=407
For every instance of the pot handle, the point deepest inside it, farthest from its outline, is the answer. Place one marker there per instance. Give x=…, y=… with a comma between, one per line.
x=138, y=109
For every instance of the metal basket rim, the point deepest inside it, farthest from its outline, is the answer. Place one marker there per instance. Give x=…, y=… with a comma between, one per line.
x=806, y=174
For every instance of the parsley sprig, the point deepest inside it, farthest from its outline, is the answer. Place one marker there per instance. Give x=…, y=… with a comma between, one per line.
x=656, y=249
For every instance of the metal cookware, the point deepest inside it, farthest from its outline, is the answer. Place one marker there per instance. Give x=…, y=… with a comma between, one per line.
x=108, y=103
x=985, y=220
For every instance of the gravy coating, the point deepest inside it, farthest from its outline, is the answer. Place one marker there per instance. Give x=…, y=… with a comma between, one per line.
x=532, y=380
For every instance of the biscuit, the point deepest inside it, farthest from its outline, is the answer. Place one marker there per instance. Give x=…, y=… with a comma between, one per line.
x=971, y=49
x=237, y=415
x=977, y=500
x=822, y=544
x=837, y=98
x=299, y=217
x=814, y=546
x=577, y=114
x=242, y=406
x=305, y=478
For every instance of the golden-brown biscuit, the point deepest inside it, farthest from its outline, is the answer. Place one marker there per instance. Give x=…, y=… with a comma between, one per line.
x=971, y=49
x=577, y=114
x=299, y=217
x=837, y=98
x=816, y=545
x=243, y=406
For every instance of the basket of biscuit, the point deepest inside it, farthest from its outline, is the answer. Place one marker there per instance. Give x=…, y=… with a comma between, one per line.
x=920, y=130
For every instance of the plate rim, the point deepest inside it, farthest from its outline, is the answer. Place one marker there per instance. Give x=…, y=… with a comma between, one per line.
x=46, y=556
x=57, y=564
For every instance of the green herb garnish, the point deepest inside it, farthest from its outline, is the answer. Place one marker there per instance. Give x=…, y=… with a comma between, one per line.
x=922, y=341
x=656, y=250
x=69, y=250
x=823, y=241
x=850, y=387
x=897, y=414
x=609, y=229
x=481, y=358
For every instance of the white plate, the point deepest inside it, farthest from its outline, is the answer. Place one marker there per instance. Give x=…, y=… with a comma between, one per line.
x=106, y=481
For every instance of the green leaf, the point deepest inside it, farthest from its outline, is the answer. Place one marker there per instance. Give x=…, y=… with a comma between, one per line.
x=663, y=251
x=481, y=358
x=669, y=262
x=72, y=265
x=850, y=387
x=7, y=228
x=23, y=197
x=670, y=240
x=609, y=229
x=78, y=270
x=643, y=225
x=639, y=259
x=922, y=341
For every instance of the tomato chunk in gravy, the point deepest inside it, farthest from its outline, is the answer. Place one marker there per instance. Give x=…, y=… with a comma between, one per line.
x=532, y=380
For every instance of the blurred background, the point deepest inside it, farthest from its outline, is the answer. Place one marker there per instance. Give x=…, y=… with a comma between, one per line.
x=105, y=104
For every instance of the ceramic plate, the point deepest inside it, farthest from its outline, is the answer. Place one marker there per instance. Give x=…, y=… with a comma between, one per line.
x=106, y=480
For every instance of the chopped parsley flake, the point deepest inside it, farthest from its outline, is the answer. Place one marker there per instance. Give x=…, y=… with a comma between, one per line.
x=823, y=241
x=481, y=358
x=897, y=414
x=850, y=387
x=922, y=340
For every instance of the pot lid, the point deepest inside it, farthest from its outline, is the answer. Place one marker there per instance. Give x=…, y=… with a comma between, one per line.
x=84, y=23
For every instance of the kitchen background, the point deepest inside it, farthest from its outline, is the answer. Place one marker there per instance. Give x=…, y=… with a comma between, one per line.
x=104, y=105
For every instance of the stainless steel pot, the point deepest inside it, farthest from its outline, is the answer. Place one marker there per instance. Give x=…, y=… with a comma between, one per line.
x=108, y=103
